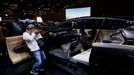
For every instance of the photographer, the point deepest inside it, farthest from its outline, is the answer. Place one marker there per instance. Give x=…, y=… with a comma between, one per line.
x=3, y=35
x=30, y=36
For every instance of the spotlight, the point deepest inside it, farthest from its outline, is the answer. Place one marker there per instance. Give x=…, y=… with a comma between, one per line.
x=0, y=19
x=6, y=14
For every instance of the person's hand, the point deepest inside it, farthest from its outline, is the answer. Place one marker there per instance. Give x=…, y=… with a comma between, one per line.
x=26, y=30
x=36, y=31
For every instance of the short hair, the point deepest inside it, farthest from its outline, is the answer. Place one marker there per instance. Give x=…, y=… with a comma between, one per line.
x=30, y=26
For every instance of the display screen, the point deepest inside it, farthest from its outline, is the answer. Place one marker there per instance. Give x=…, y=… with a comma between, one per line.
x=77, y=12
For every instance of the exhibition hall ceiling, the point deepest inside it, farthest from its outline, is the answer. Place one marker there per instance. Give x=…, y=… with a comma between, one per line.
x=37, y=7
x=41, y=7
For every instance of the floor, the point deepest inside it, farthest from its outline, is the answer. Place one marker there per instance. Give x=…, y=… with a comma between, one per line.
x=6, y=68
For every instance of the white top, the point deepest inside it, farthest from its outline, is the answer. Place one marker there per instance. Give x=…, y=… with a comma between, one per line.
x=30, y=41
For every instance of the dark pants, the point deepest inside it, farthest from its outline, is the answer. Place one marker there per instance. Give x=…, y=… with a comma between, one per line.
x=3, y=48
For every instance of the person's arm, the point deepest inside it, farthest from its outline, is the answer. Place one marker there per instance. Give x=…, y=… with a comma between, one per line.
x=28, y=37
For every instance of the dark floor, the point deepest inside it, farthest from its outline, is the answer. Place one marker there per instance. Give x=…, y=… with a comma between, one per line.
x=6, y=68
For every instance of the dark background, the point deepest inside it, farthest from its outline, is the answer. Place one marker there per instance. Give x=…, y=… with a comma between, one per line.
x=54, y=9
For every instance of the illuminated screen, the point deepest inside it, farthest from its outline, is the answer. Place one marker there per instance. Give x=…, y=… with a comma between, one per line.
x=77, y=12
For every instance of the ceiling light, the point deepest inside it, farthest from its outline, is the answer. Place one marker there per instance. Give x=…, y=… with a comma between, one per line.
x=0, y=19
x=6, y=14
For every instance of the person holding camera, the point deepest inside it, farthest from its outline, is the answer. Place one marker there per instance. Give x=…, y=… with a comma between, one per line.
x=30, y=37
